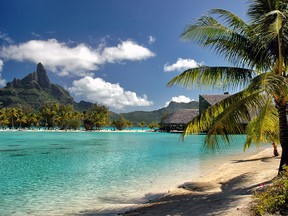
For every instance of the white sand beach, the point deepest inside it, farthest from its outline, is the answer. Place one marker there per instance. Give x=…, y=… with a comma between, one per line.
x=226, y=191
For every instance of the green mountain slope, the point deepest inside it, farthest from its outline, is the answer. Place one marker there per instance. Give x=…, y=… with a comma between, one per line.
x=156, y=115
x=36, y=89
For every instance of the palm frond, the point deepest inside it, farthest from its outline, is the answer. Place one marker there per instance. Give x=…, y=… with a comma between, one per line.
x=234, y=40
x=270, y=83
x=225, y=118
x=219, y=77
x=238, y=111
x=264, y=127
x=270, y=18
x=232, y=20
x=257, y=9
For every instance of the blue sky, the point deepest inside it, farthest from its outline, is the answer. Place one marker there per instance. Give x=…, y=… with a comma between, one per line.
x=120, y=53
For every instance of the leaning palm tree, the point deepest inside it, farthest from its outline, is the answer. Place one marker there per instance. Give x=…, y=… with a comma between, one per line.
x=257, y=51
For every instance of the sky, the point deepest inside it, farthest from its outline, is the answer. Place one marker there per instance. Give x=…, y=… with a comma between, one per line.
x=119, y=53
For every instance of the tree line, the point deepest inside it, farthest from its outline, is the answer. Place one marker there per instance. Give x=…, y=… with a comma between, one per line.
x=53, y=115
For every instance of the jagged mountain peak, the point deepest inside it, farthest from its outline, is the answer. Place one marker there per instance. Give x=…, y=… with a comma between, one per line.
x=35, y=89
x=42, y=76
x=38, y=79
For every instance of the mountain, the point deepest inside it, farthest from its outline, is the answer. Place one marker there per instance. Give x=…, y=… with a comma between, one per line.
x=157, y=115
x=34, y=90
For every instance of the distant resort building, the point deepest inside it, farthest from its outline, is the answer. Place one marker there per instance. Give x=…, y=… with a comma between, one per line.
x=206, y=101
x=177, y=121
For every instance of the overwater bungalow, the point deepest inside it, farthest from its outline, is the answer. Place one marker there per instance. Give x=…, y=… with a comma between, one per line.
x=177, y=121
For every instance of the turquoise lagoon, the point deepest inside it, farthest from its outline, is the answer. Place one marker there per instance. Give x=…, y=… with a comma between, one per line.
x=70, y=173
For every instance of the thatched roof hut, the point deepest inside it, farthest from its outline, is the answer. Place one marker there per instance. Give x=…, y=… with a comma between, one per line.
x=178, y=120
x=206, y=101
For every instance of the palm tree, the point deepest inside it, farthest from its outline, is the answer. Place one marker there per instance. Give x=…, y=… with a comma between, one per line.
x=257, y=51
x=33, y=119
x=12, y=113
x=4, y=118
x=21, y=119
x=142, y=124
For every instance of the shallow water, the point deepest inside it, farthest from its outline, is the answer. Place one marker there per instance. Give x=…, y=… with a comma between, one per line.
x=61, y=173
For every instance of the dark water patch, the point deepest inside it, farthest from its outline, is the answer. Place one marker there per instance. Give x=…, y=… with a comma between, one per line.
x=14, y=145
x=54, y=144
x=9, y=150
x=19, y=141
x=17, y=155
x=63, y=148
x=46, y=153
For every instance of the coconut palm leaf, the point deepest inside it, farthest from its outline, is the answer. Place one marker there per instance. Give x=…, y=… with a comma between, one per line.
x=235, y=43
x=219, y=77
x=271, y=84
x=224, y=117
x=264, y=127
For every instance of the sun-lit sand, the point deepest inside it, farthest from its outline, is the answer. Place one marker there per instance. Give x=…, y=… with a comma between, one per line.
x=226, y=191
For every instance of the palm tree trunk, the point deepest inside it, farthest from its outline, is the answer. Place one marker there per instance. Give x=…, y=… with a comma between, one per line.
x=275, y=151
x=283, y=136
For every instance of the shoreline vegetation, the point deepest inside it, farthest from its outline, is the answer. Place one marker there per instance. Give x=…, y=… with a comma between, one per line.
x=79, y=130
x=226, y=191
x=58, y=116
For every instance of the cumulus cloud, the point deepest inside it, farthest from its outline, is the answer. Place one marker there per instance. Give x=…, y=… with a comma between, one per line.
x=81, y=60
x=127, y=50
x=151, y=40
x=109, y=94
x=181, y=64
x=179, y=99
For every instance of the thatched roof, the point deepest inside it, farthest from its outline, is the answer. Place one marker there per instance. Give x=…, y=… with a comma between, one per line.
x=213, y=99
x=181, y=116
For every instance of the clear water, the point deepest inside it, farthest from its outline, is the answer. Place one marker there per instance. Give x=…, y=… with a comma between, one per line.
x=65, y=173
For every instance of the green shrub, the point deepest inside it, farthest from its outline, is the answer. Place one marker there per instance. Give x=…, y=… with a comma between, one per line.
x=272, y=198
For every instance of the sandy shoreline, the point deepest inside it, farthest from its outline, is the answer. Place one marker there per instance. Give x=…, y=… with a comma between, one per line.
x=225, y=191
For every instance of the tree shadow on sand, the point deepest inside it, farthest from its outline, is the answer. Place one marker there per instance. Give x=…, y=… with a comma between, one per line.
x=198, y=198
x=199, y=201
x=263, y=159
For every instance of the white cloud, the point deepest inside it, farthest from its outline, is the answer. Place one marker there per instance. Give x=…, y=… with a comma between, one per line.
x=127, y=50
x=80, y=60
x=181, y=64
x=109, y=94
x=151, y=40
x=179, y=99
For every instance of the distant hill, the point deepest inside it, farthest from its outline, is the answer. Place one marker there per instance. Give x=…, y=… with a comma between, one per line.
x=36, y=89
x=156, y=115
